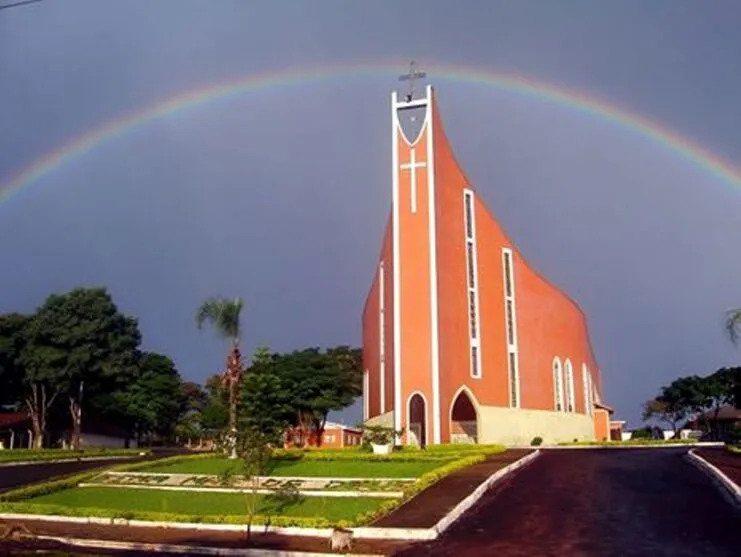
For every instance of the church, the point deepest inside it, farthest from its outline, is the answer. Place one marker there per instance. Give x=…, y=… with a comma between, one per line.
x=464, y=341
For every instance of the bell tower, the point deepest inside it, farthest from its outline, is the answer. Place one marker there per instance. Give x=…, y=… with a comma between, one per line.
x=415, y=291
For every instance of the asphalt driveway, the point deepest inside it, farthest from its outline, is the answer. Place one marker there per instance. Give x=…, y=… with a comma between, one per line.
x=597, y=503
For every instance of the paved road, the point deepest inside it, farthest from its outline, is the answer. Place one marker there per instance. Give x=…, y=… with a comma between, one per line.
x=15, y=476
x=597, y=503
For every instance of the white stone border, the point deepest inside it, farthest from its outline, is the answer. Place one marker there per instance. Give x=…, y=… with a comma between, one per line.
x=260, y=491
x=368, y=533
x=445, y=522
x=727, y=486
x=187, y=549
x=618, y=445
x=287, y=478
x=71, y=459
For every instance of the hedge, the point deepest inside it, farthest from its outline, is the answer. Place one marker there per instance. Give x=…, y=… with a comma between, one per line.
x=629, y=442
x=35, y=455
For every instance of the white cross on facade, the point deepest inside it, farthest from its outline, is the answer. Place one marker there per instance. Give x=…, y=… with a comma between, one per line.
x=413, y=165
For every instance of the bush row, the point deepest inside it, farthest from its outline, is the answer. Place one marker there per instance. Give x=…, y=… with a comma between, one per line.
x=34, y=455
x=439, y=453
x=629, y=442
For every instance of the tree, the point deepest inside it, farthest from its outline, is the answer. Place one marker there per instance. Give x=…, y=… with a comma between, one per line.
x=266, y=398
x=78, y=343
x=733, y=324
x=225, y=317
x=215, y=415
x=12, y=342
x=320, y=382
x=665, y=411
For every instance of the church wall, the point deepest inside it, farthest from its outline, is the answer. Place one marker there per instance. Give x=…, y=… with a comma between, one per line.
x=550, y=325
x=370, y=347
x=451, y=272
x=387, y=258
x=512, y=426
x=414, y=296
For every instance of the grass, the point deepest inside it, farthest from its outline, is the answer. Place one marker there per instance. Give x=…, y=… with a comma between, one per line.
x=196, y=503
x=37, y=455
x=307, y=468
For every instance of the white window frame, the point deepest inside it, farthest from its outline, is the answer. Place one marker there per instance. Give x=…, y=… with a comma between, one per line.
x=570, y=396
x=382, y=334
x=558, y=398
x=475, y=370
x=587, y=380
x=513, y=356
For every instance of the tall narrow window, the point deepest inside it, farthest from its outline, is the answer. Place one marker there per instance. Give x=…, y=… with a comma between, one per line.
x=569, y=386
x=382, y=334
x=510, y=324
x=587, y=382
x=474, y=327
x=557, y=385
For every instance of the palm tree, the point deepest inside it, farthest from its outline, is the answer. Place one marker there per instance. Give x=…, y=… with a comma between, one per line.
x=733, y=324
x=224, y=316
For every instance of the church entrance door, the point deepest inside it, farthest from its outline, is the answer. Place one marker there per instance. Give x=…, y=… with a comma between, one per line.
x=463, y=420
x=417, y=420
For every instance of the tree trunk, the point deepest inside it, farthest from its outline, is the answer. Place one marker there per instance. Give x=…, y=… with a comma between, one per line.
x=233, y=418
x=38, y=403
x=75, y=410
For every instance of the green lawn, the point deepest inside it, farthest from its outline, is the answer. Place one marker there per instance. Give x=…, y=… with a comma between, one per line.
x=197, y=503
x=308, y=468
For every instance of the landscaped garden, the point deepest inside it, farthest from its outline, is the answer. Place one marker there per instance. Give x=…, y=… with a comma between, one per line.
x=314, y=488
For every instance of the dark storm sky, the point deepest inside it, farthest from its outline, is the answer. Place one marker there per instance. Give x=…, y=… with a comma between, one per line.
x=280, y=195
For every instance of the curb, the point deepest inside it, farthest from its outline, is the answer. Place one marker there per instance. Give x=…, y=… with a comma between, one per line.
x=365, y=533
x=727, y=486
x=187, y=549
x=635, y=446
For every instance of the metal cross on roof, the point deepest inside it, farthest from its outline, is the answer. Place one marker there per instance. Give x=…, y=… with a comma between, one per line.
x=411, y=77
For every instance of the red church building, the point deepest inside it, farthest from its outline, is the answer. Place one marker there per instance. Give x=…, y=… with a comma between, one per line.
x=463, y=341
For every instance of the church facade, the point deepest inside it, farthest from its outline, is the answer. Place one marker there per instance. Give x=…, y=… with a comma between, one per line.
x=463, y=341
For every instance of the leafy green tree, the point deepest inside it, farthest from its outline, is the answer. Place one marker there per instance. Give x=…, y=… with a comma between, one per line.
x=78, y=342
x=12, y=342
x=225, y=317
x=663, y=410
x=215, y=414
x=193, y=401
x=267, y=398
x=320, y=382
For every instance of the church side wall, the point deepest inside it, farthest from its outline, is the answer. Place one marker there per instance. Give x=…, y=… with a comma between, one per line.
x=370, y=347
x=550, y=326
x=512, y=426
x=387, y=258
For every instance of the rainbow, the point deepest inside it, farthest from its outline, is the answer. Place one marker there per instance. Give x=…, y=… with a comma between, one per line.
x=513, y=83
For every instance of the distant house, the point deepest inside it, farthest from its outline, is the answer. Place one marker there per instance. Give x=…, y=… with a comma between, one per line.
x=335, y=436
x=15, y=430
x=727, y=418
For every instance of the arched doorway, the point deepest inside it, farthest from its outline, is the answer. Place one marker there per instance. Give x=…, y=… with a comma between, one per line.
x=463, y=420
x=417, y=412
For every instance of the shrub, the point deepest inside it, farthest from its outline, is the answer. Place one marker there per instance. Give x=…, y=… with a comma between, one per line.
x=537, y=441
